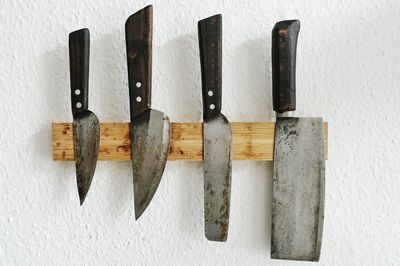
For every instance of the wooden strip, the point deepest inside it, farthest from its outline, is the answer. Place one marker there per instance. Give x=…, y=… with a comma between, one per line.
x=251, y=141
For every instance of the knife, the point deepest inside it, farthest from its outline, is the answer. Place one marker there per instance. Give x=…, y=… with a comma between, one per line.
x=298, y=187
x=217, y=133
x=150, y=129
x=86, y=128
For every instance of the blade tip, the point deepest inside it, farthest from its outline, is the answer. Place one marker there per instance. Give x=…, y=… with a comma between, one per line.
x=82, y=195
x=138, y=212
x=81, y=199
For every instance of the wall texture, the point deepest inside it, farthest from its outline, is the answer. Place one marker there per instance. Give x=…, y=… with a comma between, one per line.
x=348, y=73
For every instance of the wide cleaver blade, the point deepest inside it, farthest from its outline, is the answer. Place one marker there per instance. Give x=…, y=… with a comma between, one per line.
x=298, y=186
x=150, y=129
x=86, y=128
x=150, y=144
x=298, y=189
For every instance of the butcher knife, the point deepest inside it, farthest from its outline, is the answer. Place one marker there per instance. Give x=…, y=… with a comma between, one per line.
x=217, y=133
x=86, y=128
x=150, y=129
x=298, y=187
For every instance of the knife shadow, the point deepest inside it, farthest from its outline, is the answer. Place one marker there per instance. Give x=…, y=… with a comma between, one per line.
x=248, y=70
x=179, y=62
x=180, y=65
x=109, y=86
x=109, y=79
x=54, y=70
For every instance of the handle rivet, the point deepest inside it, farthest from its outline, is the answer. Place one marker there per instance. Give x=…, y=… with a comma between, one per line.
x=212, y=106
x=138, y=99
x=138, y=84
x=210, y=93
x=77, y=92
x=78, y=105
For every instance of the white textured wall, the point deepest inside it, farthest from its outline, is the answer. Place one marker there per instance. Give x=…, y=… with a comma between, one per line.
x=348, y=73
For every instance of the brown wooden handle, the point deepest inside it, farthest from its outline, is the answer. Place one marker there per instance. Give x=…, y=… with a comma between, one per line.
x=284, y=44
x=79, y=45
x=139, y=34
x=210, y=42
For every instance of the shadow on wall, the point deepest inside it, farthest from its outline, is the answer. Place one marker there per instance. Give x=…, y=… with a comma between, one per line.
x=182, y=87
x=249, y=69
x=182, y=79
x=54, y=69
x=109, y=59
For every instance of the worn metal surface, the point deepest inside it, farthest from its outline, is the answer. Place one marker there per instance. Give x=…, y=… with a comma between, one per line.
x=298, y=189
x=217, y=176
x=150, y=143
x=86, y=130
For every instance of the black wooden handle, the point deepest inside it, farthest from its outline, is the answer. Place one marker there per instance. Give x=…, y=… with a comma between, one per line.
x=210, y=42
x=284, y=44
x=139, y=34
x=79, y=43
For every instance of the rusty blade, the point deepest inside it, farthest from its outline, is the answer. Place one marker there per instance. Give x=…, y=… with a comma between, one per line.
x=86, y=131
x=298, y=189
x=150, y=134
x=217, y=176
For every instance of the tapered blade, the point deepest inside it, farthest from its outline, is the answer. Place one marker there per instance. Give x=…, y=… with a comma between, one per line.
x=298, y=189
x=150, y=143
x=86, y=130
x=217, y=176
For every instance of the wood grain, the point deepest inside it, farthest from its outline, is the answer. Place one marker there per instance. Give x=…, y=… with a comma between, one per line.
x=251, y=141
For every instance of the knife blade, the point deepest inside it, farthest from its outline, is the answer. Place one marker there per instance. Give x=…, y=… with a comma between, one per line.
x=299, y=164
x=86, y=127
x=150, y=129
x=217, y=133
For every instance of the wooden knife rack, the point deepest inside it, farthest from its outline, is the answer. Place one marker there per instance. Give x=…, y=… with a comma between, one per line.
x=252, y=141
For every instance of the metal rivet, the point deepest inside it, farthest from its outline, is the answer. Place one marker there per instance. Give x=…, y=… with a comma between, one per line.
x=138, y=84
x=138, y=99
x=78, y=105
x=212, y=106
x=210, y=93
x=77, y=92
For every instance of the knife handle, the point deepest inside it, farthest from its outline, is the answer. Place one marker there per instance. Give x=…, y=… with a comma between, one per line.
x=139, y=34
x=284, y=45
x=210, y=42
x=79, y=43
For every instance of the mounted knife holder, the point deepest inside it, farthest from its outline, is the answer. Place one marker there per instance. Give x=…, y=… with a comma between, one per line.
x=253, y=141
x=150, y=139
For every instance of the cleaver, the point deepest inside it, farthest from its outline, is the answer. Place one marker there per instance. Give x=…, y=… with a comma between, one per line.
x=298, y=187
x=86, y=128
x=217, y=133
x=150, y=129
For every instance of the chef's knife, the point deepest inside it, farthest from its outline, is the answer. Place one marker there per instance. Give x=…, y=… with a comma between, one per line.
x=299, y=164
x=86, y=128
x=217, y=132
x=150, y=129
